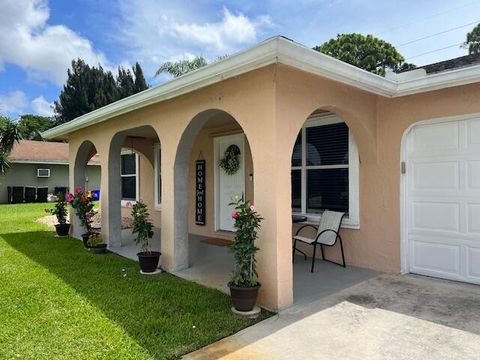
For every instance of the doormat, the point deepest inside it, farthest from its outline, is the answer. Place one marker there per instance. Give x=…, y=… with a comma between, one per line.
x=217, y=242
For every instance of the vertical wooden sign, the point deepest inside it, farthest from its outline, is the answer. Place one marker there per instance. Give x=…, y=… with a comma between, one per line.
x=200, y=192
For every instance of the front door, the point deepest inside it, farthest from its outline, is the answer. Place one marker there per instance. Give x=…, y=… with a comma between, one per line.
x=227, y=185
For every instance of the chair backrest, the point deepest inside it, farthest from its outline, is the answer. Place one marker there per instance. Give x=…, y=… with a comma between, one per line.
x=330, y=220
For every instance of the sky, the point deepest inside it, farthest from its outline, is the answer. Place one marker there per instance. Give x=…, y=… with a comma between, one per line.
x=39, y=38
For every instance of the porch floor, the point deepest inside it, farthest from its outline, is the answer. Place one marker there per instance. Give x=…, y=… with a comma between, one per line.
x=211, y=266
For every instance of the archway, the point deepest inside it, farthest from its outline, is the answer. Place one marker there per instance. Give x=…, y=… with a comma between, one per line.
x=206, y=138
x=325, y=171
x=133, y=174
x=87, y=176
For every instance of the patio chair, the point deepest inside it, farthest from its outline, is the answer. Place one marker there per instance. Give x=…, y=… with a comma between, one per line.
x=327, y=235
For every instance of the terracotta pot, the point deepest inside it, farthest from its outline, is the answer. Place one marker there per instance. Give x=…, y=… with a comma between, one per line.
x=244, y=299
x=148, y=261
x=62, y=229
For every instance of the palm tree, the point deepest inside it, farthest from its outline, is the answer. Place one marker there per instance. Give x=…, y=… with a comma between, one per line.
x=181, y=67
x=9, y=135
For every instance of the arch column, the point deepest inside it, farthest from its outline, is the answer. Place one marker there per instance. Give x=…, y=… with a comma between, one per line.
x=111, y=193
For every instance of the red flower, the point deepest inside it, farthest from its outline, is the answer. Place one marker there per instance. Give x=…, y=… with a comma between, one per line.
x=83, y=199
x=79, y=190
x=235, y=214
x=69, y=197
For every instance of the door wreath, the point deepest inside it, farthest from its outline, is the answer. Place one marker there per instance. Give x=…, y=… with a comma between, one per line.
x=230, y=162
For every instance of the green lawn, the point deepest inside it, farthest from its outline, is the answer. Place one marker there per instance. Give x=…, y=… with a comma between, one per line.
x=58, y=301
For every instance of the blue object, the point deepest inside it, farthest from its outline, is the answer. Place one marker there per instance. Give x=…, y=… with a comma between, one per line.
x=96, y=194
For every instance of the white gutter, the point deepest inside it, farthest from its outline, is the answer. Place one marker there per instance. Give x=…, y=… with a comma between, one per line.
x=271, y=51
x=45, y=162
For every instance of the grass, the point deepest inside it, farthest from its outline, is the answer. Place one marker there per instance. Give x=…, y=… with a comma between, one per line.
x=58, y=301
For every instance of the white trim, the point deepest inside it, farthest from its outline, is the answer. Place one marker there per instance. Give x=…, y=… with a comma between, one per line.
x=353, y=219
x=404, y=260
x=216, y=174
x=273, y=51
x=157, y=156
x=43, y=162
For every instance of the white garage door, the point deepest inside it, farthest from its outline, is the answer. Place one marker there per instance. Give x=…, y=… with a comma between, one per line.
x=443, y=200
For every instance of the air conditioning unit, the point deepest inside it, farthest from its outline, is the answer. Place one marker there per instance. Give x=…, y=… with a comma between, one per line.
x=43, y=173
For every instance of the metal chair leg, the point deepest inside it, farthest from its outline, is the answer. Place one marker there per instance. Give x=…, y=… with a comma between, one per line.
x=341, y=247
x=293, y=250
x=313, y=258
x=321, y=248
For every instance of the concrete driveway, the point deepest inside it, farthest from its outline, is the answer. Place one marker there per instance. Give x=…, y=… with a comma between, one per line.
x=387, y=317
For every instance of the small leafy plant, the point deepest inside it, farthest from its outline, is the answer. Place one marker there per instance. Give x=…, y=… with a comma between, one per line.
x=95, y=240
x=142, y=226
x=247, y=223
x=59, y=210
x=81, y=202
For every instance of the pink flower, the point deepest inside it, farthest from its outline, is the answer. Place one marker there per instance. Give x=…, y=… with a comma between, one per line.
x=69, y=197
x=88, y=215
x=252, y=208
x=128, y=204
x=79, y=190
x=235, y=215
x=83, y=199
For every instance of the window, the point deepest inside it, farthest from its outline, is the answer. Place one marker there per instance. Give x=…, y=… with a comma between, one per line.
x=129, y=176
x=158, y=177
x=325, y=169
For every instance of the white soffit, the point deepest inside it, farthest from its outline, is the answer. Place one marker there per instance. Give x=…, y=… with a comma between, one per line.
x=271, y=51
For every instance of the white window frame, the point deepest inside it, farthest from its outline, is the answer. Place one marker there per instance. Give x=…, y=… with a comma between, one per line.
x=157, y=159
x=353, y=219
x=125, y=202
x=43, y=176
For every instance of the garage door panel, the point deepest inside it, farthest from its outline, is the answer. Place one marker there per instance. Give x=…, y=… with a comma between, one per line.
x=473, y=128
x=440, y=258
x=436, y=176
x=436, y=216
x=474, y=218
x=473, y=175
x=433, y=139
x=473, y=264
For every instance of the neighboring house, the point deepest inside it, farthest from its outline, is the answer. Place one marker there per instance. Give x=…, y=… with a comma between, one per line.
x=400, y=155
x=40, y=164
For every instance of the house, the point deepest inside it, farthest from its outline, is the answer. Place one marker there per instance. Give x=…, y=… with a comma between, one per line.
x=39, y=164
x=400, y=155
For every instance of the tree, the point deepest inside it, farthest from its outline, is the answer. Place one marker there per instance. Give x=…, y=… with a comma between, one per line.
x=473, y=40
x=366, y=52
x=89, y=88
x=181, y=67
x=9, y=135
x=31, y=126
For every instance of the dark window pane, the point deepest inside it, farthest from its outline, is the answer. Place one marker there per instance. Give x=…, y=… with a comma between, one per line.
x=128, y=164
x=296, y=190
x=327, y=189
x=297, y=151
x=129, y=187
x=327, y=144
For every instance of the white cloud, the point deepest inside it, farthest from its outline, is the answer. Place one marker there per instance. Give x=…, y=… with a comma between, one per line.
x=13, y=102
x=44, y=51
x=42, y=107
x=155, y=31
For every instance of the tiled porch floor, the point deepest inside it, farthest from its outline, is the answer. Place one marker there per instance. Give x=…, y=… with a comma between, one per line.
x=211, y=266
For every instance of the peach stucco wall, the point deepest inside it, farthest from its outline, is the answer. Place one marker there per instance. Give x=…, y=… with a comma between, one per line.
x=271, y=105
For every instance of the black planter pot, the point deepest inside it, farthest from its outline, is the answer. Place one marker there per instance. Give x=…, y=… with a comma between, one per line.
x=85, y=238
x=243, y=299
x=62, y=229
x=99, y=249
x=148, y=261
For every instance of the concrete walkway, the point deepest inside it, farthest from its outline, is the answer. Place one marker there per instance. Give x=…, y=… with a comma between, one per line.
x=387, y=317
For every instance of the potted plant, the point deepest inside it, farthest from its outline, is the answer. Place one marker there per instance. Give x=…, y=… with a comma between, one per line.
x=244, y=284
x=143, y=228
x=82, y=203
x=96, y=244
x=60, y=211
